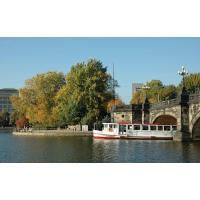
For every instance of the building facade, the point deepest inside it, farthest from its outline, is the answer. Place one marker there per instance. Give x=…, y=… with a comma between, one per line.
x=122, y=114
x=5, y=103
x=136, y=87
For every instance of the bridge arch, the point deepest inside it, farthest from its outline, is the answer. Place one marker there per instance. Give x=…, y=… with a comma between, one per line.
x=195, y=129
x=165, y=120
x=155, y=115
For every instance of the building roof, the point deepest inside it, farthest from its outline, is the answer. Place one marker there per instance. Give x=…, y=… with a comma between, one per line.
x=8, y=89
x=124, y=108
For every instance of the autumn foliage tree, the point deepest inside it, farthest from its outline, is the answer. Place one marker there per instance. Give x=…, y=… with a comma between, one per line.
x=37, y=99
x=22, y=122
x=113, y=103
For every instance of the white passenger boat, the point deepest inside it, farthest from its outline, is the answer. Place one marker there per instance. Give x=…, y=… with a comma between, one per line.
x=135, y=131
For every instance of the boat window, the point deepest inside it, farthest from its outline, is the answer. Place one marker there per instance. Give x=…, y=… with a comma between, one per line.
x=122, y=116
x=111, y=125
x=130, y=127
x=160, y=128
x=174, y=128
x=153, y=128
x=114, y=126
x=136, y=127
x=167, y=128
x=106, y=125
x=122, y=128
x=146, y=128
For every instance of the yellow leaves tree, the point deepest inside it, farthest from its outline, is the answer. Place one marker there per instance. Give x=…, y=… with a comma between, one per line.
x=37, y=98
x=114, y=102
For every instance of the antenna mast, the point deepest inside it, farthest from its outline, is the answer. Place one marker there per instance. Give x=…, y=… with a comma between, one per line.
x=114, y=103
x=114, y=84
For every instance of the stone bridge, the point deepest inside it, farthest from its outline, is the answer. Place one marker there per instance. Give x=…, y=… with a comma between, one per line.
x=184, y=111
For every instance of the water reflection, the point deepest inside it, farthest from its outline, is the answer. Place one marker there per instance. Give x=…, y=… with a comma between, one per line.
x=105, y=150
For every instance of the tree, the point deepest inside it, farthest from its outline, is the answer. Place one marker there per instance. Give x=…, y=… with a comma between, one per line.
x=13, y=118
x=192, y=83
x=4, y=119
x=157, y=92
x=84, y=98
x=37, y=99
x=22, y=122
x=114, y=102
x=169, y=92
x=138, y=97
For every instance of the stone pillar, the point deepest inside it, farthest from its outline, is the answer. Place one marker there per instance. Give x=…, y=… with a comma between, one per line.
x=183, y=131
x=136, y=113
x=184, y=102
x=146, y=112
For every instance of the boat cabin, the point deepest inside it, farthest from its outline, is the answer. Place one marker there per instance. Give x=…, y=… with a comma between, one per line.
x=125, y=128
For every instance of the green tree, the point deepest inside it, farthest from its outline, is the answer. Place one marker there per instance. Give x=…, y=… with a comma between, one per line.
x=192, y=83
x=85, y=96
x=157, y=92
x=14, y=116
x=4, y=119
x=154, y=94
x=169, y=92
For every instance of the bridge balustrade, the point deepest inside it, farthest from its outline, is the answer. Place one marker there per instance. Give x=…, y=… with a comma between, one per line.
x=171, y=102
x=194, y=97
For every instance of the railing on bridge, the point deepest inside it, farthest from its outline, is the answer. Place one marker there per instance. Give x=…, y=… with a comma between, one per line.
x=171, y=102
x=193, y=98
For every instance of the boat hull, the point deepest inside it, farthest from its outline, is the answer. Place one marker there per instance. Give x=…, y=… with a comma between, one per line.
x=145, y=138
x=103, y=135
x=100, y=135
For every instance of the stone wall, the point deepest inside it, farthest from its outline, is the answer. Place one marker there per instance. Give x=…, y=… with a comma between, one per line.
x=54, y=133
x=125, y=116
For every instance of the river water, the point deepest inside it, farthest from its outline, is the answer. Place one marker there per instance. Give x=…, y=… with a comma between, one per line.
x=22, y=149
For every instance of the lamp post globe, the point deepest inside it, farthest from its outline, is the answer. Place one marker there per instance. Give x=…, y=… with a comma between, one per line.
x=183, y=72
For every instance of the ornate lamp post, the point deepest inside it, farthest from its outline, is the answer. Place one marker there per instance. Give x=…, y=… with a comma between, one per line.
x=183, y=72
x=145, y=88
x=184, y=100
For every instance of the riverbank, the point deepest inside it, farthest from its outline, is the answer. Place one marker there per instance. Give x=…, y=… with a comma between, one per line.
x=53, y=133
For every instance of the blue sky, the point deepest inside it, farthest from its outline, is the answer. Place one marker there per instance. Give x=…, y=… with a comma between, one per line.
x=135, y=59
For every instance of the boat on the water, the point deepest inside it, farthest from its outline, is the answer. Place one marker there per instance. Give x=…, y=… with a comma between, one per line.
x=135, y=131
